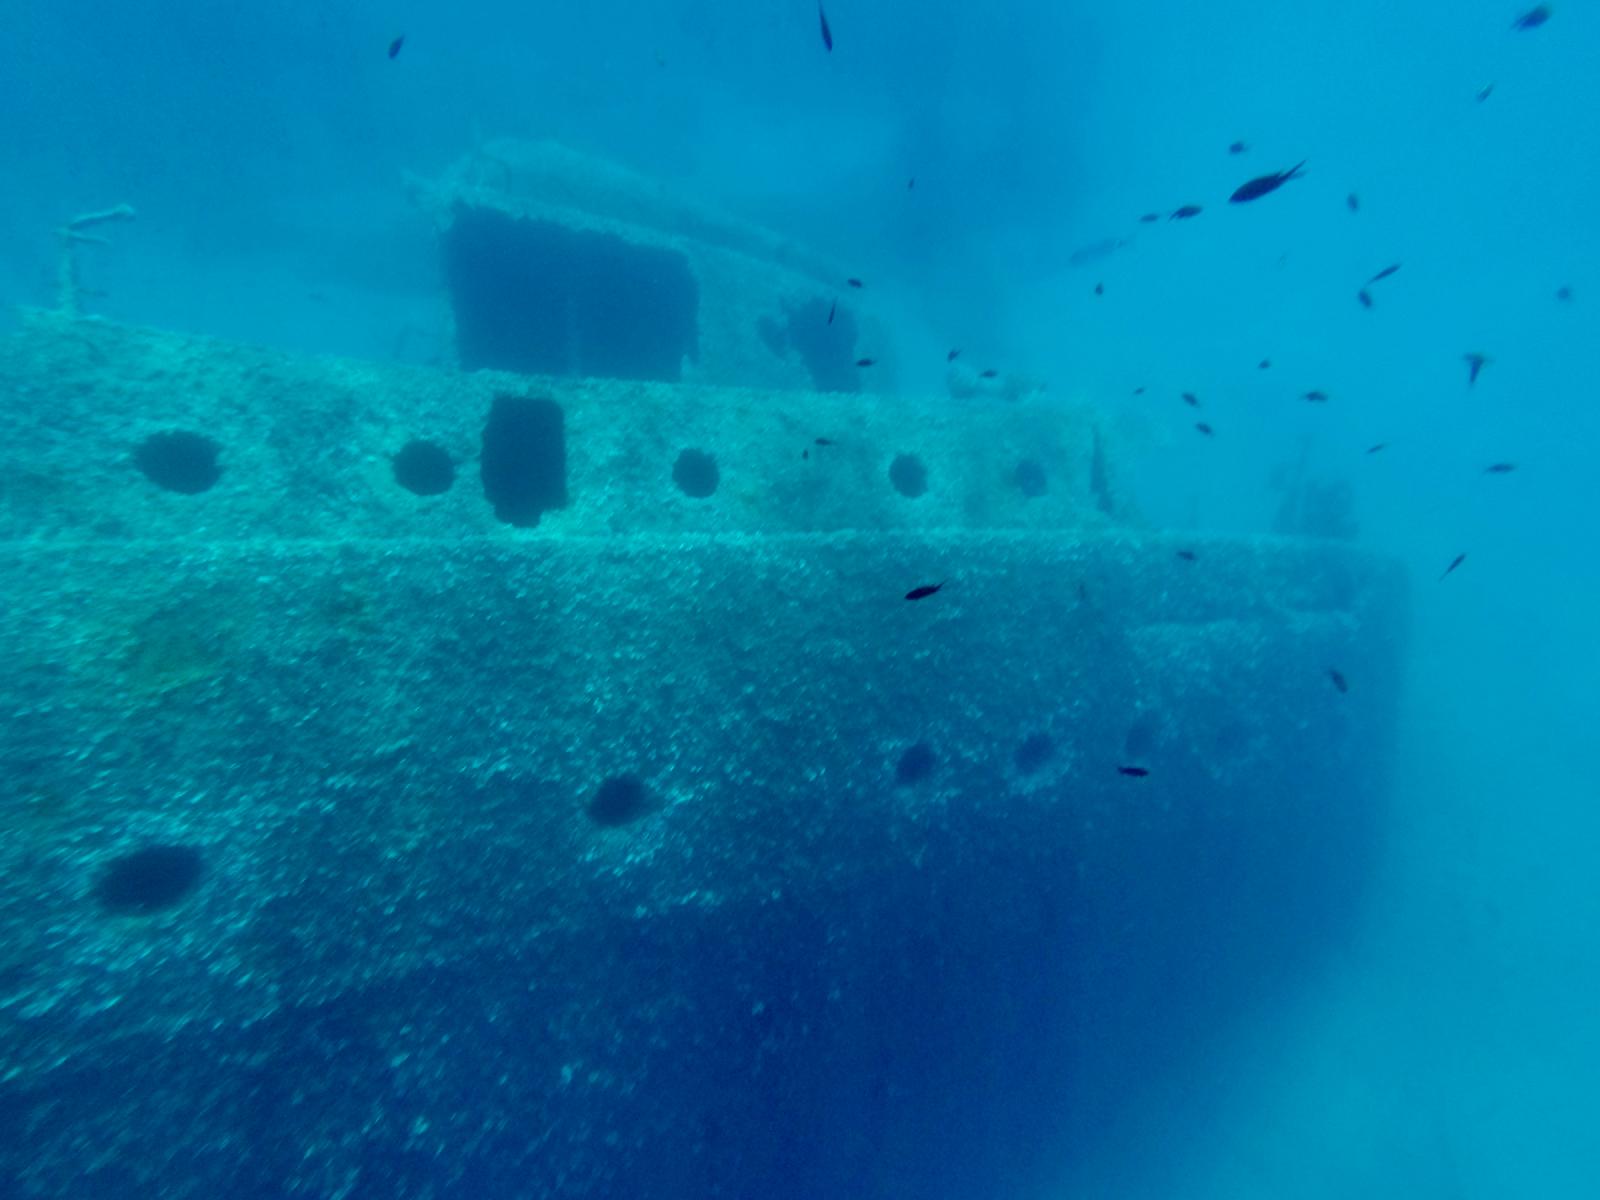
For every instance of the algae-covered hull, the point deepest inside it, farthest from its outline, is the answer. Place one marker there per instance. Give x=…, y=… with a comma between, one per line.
x=576, y=807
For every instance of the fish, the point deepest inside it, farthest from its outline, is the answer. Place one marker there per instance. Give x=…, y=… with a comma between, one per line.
x=1352, y=202
x=1138, y=391
x=988, y=373
x=1563, y=293
x=923, y=592
x=1263, y=364
x=1385, y=273
x=1188, y=555
x=952, y=356
x=832, y=308
x=827, y=34
x=805, y=454
x=1135, y=772
x=1365, y=297
x=394, y=46
x=1500, y=468
x=1203, y=428
x=1338, y=680
x=855, y=283
x=1150, y=218
x=1475, y=363
x=911, y=183
x=1533, y=18
x=1237, y=148
x=1316, y=397
x=1454, y=563
x=1376, y=446
x=1095, y=251
x=824, y=442
x=1184, y=213
x=866, y=362
x=1261, y=185
x=1484, y=92
x=1099, y=289
x=1191, y=400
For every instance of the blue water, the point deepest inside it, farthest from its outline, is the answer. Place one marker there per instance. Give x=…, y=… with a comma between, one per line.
x=1453, y=1050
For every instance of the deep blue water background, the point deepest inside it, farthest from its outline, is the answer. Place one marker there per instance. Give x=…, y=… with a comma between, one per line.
x=1453, y=1051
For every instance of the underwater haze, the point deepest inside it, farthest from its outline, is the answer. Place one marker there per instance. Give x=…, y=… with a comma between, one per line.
x=984, y=169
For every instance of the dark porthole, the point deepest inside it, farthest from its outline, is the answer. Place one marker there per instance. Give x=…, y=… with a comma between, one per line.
x=696, y=474
x=179, y=461
x=424, y=468
x=909, y=476
x=915, y=765
x=149, y=880
x=620, y=800
x=1034, y=752
x=1030, y=479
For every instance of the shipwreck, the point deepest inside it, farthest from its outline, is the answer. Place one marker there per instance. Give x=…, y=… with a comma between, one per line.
x=528, y=777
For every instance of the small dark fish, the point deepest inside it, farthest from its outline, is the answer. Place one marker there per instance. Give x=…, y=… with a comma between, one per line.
x=1352, y=202
x=1475, y=363
x=394, y=46
x=1188, y=555
x=1263, y=364
x=1484, y=92
x=1138, y=391
x=1563, y=293
x=1533, y=18
x=855, y=283
x=1184, y=213
x=952, y=356
x=832, y=308
x=1150, y=218
x=1099, y=289
x=1500, y=468
x=805, y=454
x=1316, y=397
x=989, y=373
x=1237, y=148
x=1203, y=428
x=1376, y=446
x=1365, y=297
x=1338, y=680
x=1385, y=273
x=1454, y=563
x=1261, y=185
x=1191, y=400
x=1136, y=772
x=866, y=362
x=824, y=442
x=923, y=592
x=827, y=34
x=911, y=183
